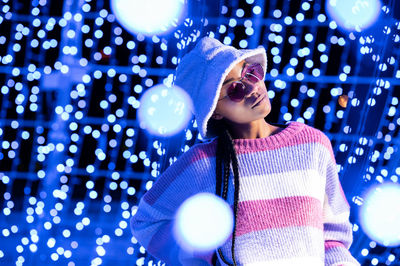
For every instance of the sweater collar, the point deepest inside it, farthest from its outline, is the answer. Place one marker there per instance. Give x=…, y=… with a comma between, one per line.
x=271, y=142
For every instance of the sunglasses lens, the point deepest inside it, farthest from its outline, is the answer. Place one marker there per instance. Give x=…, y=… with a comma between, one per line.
x=254, y=73
x=236, y=91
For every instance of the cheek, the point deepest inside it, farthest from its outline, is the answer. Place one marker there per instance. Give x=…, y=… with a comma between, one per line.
x=222, y=109
x=238, y=115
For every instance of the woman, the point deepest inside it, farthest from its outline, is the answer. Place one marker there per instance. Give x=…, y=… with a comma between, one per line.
x=282, y=182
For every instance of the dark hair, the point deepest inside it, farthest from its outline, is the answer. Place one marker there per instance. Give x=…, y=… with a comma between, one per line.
x=225, y=157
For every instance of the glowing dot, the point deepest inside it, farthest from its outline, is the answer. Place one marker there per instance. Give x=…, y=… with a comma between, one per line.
x=324, y=58
x=287, y=117
x=243, y=44
x=257, y=10
x=203, y=222
x=311, y=93
x=6, y=232
x=340, y=114
x=294, y=102
x=249, y=31
x=86, y=221
x=147, y=17
x=106, y=238
x=300, y=17
x=364, y=252
x=164, y=111
x=128, y=250
x=288, y=20
x=380, y=213
x=292, y=39
x=374, y=261
x=277, y=13
x=305, y=6
x=100, y=251
x=353, y=14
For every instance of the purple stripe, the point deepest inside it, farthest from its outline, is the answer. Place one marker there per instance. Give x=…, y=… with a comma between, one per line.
x=302, y=157
x=163, y=242
x=334, y=191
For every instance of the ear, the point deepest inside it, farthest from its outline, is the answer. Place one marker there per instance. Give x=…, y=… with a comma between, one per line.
x=216, y=116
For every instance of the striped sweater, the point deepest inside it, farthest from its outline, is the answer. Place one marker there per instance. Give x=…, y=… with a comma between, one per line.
x=291, y=210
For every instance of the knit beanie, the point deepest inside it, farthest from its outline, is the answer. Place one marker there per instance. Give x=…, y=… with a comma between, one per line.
x=202, y=71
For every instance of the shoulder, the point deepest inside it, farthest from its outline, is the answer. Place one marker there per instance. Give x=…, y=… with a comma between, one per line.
x=207, y=147
x=315, y=136
x=195, y=157
x=311, y=134
x=200, y=151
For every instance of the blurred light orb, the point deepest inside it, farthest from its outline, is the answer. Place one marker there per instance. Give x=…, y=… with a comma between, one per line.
x=164, y=111
x=203, y=222
x=380, y=214
x=150, y=17
x=353, y=14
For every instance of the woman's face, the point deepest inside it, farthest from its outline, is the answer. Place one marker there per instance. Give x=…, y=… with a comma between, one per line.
x=254, y=106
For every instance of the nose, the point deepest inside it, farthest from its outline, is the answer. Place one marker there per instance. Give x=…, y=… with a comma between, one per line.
x=251, y=88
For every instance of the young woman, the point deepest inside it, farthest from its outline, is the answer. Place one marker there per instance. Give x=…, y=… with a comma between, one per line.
x=281, y=182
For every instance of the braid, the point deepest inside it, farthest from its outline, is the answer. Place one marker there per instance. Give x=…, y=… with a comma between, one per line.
x=218, y=167
x=225, y=156
x=236, y=198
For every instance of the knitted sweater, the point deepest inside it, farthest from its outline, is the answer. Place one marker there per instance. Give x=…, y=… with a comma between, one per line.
x=291, y=210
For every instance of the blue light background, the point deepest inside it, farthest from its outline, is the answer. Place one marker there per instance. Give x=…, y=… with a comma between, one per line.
x=74, y=161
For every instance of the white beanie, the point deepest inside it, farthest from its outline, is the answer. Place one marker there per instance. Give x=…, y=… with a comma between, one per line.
x=202, y=71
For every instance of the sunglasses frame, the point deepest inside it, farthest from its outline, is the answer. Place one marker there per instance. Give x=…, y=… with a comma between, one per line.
x=240, y=92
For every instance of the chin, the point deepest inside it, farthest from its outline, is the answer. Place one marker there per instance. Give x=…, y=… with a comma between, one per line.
x=267, y=110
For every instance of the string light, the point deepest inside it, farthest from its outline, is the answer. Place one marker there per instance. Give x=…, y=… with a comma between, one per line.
x=74, y=160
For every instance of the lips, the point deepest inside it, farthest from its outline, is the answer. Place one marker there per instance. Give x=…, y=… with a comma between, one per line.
x=258, y=100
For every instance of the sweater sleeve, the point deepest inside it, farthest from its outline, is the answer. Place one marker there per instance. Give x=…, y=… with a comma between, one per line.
x=336, y=211
x=153, y=223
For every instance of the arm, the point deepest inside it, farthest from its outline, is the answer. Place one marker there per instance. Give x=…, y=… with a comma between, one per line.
x=337, y=228
x=154, y=230
x=152, y=225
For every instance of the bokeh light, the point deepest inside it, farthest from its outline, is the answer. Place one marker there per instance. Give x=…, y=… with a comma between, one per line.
x=150, y=17
x=164, y=111
x=353, y=14
x=380, y=214
x=203, y=222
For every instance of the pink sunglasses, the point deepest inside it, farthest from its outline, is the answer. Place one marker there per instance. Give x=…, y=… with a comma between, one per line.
x=237, y=90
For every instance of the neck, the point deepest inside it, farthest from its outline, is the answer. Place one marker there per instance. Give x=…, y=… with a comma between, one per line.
x=253, y=130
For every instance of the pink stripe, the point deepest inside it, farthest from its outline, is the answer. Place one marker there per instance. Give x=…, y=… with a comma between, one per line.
x=295, y=134
x=293, y=142
x=332, y=244
x=277, y=213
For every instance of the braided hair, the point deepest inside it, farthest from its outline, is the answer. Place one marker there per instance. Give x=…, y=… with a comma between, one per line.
x=225, y=157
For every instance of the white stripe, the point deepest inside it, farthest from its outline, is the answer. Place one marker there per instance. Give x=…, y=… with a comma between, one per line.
x=279, y=185
x=330, y=217
x=309, y=261
x=277, y=243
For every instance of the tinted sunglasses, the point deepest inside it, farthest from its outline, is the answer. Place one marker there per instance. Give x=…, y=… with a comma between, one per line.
x=237, y=89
